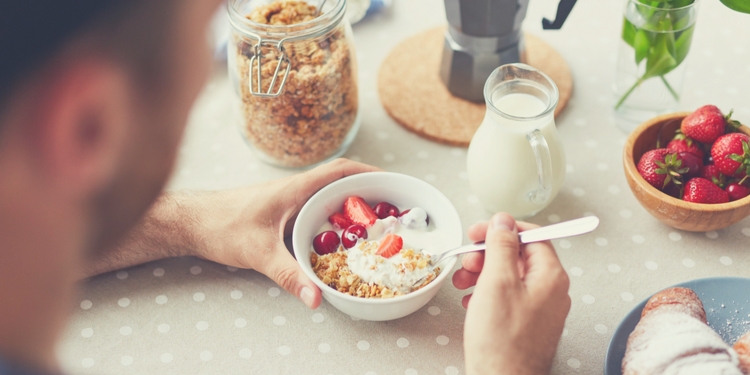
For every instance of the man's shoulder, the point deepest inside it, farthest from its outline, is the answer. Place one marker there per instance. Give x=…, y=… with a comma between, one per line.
x=7, y=368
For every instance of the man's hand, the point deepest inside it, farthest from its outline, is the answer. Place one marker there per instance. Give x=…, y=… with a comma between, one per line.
x=245, y=228
x=516, y=314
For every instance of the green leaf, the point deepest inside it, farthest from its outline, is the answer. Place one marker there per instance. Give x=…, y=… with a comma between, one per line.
x=628, y=32
x=742, y=6
x=680, y=3
x=660, y=61
x=667, y=32
x=682, y=45
x=641, y=44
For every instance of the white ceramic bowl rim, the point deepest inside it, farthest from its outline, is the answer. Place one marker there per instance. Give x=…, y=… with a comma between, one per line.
x=449, y=264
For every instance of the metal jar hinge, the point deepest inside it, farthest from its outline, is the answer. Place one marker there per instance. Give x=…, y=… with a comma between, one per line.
x=258, y=58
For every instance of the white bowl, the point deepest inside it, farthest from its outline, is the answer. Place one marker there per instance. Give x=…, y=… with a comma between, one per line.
x=404, y=192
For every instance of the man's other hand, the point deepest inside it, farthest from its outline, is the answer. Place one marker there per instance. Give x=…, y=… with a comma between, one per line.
x=245, y=228
x=517, y=311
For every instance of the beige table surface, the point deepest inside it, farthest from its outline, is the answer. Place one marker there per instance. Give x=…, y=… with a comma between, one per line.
x=187, y=316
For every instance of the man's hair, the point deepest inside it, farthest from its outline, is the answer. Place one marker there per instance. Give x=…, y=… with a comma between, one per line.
x=33, y=33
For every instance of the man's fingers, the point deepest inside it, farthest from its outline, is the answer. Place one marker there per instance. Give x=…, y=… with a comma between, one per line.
x=330, y=172
x=465, y=301
x=524, y=226
x=463, y=279
x=477, y=232
x=501, y=255
x=283, y=269
x=473, y=262
x=543, y=267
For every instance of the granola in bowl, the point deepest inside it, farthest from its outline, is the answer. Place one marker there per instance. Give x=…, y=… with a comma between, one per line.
x=315, y=114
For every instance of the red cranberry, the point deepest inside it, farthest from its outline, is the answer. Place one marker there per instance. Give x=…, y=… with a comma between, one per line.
x=737, y=191
x=326, y=242
x=693, y=163
x=351, y=234
x=385, y=209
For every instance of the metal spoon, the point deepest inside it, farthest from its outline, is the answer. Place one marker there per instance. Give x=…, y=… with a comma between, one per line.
x=550, y=232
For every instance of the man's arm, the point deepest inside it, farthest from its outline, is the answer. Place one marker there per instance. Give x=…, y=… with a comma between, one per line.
x=168, y=229
x=243, y=228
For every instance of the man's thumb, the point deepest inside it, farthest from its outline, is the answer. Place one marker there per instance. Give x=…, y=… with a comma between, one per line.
x=501, y=255
x=285, y=271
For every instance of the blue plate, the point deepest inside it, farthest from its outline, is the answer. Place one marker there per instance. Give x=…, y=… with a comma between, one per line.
x=727, y=304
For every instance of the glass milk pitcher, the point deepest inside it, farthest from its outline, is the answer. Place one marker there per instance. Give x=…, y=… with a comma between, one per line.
x=515, y=162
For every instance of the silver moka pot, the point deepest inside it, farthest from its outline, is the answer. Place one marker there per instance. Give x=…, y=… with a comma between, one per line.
x=482, y=35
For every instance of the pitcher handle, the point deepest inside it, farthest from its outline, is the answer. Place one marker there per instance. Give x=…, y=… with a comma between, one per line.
x=543, y=167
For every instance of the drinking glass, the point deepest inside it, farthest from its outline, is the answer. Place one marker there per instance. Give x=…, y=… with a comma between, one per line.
x=655, y=41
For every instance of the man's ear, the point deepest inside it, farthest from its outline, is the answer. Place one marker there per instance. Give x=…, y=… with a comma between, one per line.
x=80, y=122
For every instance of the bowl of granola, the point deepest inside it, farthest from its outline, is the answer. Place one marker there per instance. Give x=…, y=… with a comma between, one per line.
x=367, y=241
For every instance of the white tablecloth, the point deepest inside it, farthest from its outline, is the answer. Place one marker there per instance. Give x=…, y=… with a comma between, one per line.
x=185, y=316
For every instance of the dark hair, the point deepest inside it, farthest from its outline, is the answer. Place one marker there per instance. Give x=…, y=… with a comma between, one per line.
x=33, y=32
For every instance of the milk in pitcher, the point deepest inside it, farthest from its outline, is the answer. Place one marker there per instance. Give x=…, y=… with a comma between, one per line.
x=504, y=171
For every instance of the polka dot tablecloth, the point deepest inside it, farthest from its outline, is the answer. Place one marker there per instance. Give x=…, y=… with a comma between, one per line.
x=187, y=316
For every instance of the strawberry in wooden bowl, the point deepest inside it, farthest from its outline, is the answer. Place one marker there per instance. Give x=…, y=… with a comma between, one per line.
x=690, y=170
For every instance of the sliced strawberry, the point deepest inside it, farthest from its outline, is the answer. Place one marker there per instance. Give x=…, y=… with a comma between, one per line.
x=359, y=212
x=339, y=221
x=700, y=190
x=390, y=245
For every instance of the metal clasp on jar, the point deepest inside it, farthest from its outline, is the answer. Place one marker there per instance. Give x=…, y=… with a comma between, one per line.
x=258, y=57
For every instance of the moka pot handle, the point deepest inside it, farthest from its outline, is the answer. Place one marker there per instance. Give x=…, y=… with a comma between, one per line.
x=563, y=10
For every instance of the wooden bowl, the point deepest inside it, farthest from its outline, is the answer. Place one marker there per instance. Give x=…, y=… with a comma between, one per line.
x=674, y=212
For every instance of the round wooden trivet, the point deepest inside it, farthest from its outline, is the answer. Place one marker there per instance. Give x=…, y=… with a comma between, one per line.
x=413, y=94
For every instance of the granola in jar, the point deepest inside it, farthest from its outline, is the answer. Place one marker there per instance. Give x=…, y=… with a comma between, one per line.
x=314, y=117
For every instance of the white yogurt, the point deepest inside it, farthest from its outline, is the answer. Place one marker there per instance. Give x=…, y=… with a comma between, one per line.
x=393, y=272
x=416, y=218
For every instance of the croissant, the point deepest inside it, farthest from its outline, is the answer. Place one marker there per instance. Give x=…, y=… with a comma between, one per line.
x=742, y=347
x=672, y=338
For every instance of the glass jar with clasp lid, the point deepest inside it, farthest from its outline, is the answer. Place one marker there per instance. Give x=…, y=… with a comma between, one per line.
x=293, y=68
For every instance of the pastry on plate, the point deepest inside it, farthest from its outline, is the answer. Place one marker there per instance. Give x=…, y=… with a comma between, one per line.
x=672, y=338
x=742, y=347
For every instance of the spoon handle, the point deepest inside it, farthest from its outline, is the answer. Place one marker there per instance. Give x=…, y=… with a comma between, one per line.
x=560, y=230
x=478, y=246
x=550, y=232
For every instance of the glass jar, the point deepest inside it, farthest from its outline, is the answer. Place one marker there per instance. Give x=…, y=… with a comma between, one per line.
x=654, y=44
x=295, y=75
